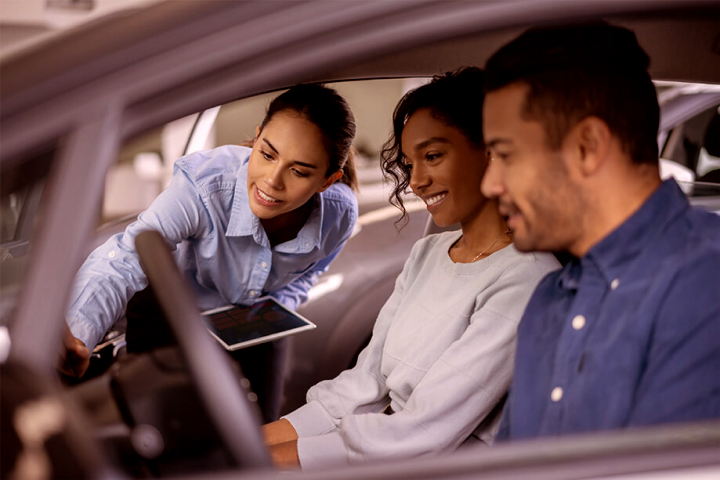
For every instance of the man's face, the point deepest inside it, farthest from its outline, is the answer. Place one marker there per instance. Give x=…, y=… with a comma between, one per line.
x=533, y=183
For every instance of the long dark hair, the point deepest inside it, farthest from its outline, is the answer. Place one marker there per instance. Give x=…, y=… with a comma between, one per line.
x=456, y=99
x=324, y=107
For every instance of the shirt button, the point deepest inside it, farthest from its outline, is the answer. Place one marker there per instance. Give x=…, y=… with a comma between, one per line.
x=263, y=264
x=252, y=293
x=614, y=284
x=578, y=322
x=111, y=254
x=556, y=394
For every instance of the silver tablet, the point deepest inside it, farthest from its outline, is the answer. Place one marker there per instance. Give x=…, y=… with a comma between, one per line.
x=237, y=327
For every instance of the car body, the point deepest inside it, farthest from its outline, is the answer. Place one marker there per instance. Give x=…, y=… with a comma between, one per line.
x=68, y=104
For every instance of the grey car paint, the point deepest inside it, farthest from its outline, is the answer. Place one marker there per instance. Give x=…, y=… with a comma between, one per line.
x=94, y=87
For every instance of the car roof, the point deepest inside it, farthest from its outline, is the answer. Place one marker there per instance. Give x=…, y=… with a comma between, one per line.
x=175, y=58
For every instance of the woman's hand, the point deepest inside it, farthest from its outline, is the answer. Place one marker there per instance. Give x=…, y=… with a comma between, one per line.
x=75, y=359
x=277, y=432
x=281, y=439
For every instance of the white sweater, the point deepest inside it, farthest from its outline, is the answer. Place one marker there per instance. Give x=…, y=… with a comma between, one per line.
x=441, y=355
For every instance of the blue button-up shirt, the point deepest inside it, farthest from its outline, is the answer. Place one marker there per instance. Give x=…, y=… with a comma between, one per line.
x=219, y=244
x=627, y=335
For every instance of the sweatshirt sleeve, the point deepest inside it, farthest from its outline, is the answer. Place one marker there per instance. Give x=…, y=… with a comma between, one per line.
x=112, y=273
x=359, y=389
x=459, y=390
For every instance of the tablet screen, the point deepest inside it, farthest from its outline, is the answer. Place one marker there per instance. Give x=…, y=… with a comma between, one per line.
x=238, y=327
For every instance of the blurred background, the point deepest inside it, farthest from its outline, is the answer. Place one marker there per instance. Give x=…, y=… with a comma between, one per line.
x=144, y=164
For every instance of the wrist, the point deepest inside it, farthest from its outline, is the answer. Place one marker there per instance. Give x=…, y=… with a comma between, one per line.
x=280, y=431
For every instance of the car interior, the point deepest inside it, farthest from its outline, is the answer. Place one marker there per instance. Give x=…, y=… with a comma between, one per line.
x=187, y=411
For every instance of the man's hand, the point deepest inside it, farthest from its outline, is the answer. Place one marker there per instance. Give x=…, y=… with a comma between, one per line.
x=75, y=358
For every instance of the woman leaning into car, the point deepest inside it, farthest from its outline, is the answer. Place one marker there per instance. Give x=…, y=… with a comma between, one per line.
x=440, y=359
x=244, y=222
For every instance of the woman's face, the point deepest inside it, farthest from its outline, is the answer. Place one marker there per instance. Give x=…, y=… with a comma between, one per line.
x=288, y=164
x=446, y=168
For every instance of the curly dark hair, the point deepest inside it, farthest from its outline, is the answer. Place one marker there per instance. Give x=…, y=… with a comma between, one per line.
x=456, y=99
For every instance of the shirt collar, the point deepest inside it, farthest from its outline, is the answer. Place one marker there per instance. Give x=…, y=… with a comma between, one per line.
x=310, y=235
x=569, y=277
x=243, y=222
x=616, y=251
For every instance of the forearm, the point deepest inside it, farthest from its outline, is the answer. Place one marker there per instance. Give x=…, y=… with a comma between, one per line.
x=112, y=273
x=102, y=287
x=295, y=293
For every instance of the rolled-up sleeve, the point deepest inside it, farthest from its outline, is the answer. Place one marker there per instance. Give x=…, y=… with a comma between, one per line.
x=112, y=273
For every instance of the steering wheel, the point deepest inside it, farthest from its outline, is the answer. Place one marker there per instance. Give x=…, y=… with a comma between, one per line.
x=218, y=384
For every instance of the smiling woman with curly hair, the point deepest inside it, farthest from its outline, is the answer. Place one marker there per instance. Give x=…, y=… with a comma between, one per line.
x=440, y=360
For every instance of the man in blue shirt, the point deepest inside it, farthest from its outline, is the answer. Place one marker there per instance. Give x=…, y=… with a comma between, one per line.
x=628, y=332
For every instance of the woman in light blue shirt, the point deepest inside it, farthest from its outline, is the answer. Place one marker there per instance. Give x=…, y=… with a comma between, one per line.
x=242, y=222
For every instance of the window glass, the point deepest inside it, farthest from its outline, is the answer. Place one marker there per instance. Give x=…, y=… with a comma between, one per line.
x=695, y=144
x=135, y=178
x=10, y=208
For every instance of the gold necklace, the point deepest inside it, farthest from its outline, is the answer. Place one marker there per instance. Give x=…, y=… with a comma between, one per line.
x=484, y=252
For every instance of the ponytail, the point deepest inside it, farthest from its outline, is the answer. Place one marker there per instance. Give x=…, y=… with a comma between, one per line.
x=349, y=175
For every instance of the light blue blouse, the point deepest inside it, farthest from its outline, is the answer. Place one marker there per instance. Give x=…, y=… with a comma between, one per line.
x=219, y=244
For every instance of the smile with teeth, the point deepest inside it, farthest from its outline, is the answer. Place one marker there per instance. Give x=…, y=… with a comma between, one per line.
x=435, y=199
x=266, y=197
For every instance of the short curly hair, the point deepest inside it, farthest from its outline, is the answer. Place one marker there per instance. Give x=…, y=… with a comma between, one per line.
x=589, y=69
x=456, y=99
